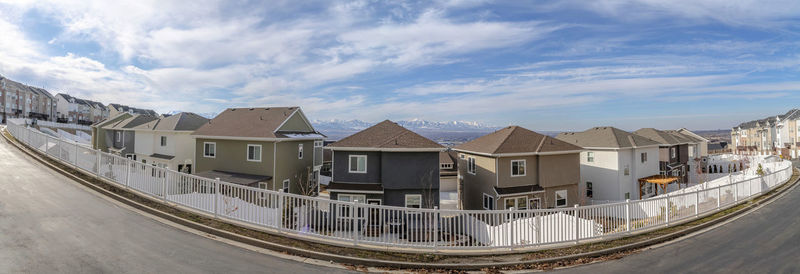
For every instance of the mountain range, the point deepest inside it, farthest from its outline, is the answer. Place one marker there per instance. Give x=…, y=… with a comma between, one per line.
x=445, y=132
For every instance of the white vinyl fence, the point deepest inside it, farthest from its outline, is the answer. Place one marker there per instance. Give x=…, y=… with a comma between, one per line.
x=50, y=124
x=396, y=228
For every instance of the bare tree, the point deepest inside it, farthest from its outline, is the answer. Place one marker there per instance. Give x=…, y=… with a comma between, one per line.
x=304, y=184
x=428, y=180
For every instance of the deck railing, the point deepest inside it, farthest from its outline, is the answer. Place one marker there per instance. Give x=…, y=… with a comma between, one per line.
x=396, y=228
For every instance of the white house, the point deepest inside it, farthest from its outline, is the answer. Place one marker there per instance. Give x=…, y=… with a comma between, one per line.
x=167, y=142
x=613, y=162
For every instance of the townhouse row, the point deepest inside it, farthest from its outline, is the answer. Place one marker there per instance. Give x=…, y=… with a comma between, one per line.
x=774, y=135
x=278, y=149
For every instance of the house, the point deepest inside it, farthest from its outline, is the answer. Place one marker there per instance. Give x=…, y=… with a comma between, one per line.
x=701, y=143
x=22, y=101
x=167, y=142
x=116, y=135
x=98, y=111
x=673, y=152
x=273, y=148
x=786, y=137
x=449, y=189
x=116, y=109
x=386, y=164
x=75, y=110
x=612, y=163
x=517, y=168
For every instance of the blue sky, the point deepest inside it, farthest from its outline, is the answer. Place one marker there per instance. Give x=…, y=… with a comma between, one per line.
x=545, y=65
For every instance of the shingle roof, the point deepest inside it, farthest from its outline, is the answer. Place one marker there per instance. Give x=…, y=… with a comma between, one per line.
x=386, y=135
x=125, y=108
x=664, y=137
x=515, y=139
x=605, y=137
x=249, y=122
x=682, y=136
x=184, y=121
x=131, y=122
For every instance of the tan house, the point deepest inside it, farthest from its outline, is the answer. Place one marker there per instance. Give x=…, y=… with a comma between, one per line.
x=519, y=168
x=273, y=148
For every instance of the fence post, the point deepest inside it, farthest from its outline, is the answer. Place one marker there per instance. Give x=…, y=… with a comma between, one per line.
x=719, y=197
x=511, y=228
x=127, y=172
x=76, y=154
x=216, y=196
x=353, y=226
x=98, y=156
x=577, y=225
x=697, y=203
x=538, y=219
x=435, y=226
x=735, y=192
x=666, y=210
x=627, y=214
x=164, y=185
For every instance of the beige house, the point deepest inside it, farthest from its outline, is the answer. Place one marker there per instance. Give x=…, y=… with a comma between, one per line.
x=273, y=148
x=167, y=142
x=519, y=168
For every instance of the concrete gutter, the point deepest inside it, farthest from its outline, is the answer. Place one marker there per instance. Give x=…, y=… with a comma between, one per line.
x=397, y=264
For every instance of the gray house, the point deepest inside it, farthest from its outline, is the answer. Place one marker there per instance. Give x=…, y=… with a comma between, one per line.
x=116, y=135
x=386, y=164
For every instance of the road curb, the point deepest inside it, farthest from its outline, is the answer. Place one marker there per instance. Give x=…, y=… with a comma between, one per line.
x=396, y=264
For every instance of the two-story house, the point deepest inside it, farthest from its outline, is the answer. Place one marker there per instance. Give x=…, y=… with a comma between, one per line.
x=116, y=135
x=167, y=142
x=612, y=163
x=386, y=164
x=673, y=152
x=517, y=168
x=273, y=148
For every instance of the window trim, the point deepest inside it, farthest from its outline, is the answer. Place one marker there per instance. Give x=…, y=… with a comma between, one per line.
x=350, y=163
x=260, y=153
x=286, y=186
x=205, y=154
x=300, y=151
x=672, y=152
x=318, y=144
x=163, y=140
x=556, y=194
x=472, y=167
x=488, y=202
x=405, y=203
x=524, y=168
x=644, y=157
x=590, y=156
x=119, y=136
x=516, y=202
x=589, y=187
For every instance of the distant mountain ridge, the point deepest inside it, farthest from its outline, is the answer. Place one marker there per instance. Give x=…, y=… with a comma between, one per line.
x=414, y=125
x=209, y=115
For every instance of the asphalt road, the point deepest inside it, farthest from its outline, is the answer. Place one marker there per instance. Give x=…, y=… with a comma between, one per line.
x=764, y=241
x=49, y=224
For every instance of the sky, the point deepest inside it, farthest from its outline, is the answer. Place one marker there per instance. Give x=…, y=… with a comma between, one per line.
x=544, y=65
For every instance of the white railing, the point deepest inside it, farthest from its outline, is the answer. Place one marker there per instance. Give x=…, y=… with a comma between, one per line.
x=397, y=228
x=23, y=121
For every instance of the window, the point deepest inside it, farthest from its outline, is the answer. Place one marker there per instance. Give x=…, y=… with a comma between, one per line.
x=163, y=141
x=358, y=164
x=119, y=136
x=517, y=168
x=209, y=150
x=519, y=203
x=589, y=190
x=254, y=153
x=535, y=203
x=627, y=195
x=318, y=144
x=413, y=200
x=672, y=152
x=471, y=165
x=590, y=157
x=300, y=151
x=445, y=166
x=627, y=170
x=355, y=198
x=488, y=201
x=461, y=155
x=561, y=198
x=644, y=157
x=285, y=188
x=691, y=152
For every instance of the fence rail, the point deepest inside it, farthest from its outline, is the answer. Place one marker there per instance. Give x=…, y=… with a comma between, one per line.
x=396, y=228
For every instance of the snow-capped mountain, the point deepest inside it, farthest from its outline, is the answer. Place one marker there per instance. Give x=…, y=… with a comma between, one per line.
x=414, y=124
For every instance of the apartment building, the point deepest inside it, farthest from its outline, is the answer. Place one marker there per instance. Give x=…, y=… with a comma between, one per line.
x=22, y=101
x=116, y=109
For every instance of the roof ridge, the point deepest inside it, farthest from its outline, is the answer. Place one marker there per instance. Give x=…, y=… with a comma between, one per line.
x=499, y=144
x=630, y=139
x=388, y=140
x=616, y=137
x=541, y=144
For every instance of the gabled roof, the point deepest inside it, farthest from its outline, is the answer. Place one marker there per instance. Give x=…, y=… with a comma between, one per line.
x=515, y=139
x=184, y=121
x=688, y=137
x=131, y=122
x=663, y=137
x=386, y=135
x=605, y=137
x=252, y=123
x=125, y=108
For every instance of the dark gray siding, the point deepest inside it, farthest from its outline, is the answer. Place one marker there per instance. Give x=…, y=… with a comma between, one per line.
x=398, y=197
x=342, y=174
x=410, y=170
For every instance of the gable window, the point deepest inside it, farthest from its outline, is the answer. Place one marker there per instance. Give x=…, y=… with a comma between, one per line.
x=300, y=151
x=644, y=157
x=672, y=152
x=561, y=198
x=285, y=188
x=413, y=200
x=519, y=203
x=358, y=164
x=589, y=190
x=590, y=157
x=254, y=153
x=471, y=165
x=517, y=168
x=163, y=141
x=209, y=150
x=488, y=201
